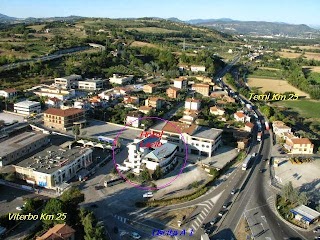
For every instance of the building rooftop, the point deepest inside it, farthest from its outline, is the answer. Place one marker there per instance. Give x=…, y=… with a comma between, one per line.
x=192, y=100
x=300, y=141
x=63, y=113
x=26, y=103
x=249, y=124
x=308, y=214
x=14, y=143
x=240, y=114
x=201, y=85
x=174, y=88
x=59, y=231
x=52, y=158
x=93, y=80
x=178, y=127
x=207, y=133
x=134, y=114
x=71, y=77
x=9, y=90
x=145, y=108
x=150, y=85
x=161, y=153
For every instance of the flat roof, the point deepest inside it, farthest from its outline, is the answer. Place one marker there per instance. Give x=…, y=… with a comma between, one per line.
x=308, y=214
x=92, y=80
x=161, y=152
x=207, y=133
x=26, y=103
x=52, y=158
x=19, y=141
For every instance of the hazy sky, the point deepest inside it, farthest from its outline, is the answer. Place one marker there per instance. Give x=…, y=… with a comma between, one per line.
x=290, y=11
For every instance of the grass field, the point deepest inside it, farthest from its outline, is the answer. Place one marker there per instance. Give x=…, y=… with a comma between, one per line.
x=274, y=85
x=307, y=108
x=37, y=27
x=152, y=30
x=269, y=68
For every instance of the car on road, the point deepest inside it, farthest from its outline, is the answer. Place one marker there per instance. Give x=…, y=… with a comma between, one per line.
x=135, y=235
x=316, y=230
x=261, y=170
x=205, y=225
x=233, y=191
x=215, y=220
x=266, y=159
x=222, y=212
x=19, y=208
x=148, y=195
x=226, y=204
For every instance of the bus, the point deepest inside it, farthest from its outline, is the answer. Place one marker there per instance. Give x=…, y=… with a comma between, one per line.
x=246, y=162
x=113, y=182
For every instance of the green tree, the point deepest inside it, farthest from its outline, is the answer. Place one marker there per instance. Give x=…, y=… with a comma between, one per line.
x=214, y=172
x=157, y=173
x=318, y=208
x=303, y=198
x=287, y=190
x=53, y=206
x=76, y=131
x=145, y=176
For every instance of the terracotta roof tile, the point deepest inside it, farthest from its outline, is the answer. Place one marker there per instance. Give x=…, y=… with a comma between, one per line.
x=177, y=127
x=59, y=231
x=63, y=113
x=300, y=141
x=10, y=90
x=240, y=114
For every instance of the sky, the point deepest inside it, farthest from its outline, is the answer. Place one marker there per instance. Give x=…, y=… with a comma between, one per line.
x=289, y=11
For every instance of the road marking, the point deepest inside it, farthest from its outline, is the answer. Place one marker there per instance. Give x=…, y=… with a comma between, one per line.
x=202, y=216
x=206, y=210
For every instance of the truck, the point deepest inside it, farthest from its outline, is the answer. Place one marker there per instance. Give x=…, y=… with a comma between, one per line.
x=249, y=106
x=259, y=135
x=246, y=162
x=114, y=182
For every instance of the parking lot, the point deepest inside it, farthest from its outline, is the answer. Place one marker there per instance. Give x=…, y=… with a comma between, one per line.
x=9, y=117
x=99, y=128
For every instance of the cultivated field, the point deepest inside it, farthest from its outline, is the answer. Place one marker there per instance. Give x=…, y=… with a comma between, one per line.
x=288, y=54
x=143, y=44
x=153, y=30
x=311, y=55
x=276, y=86
x=312, y=68
x=37, y=27
x=307, y=47
x=306, y=108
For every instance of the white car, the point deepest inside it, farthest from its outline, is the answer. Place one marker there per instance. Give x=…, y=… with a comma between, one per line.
x=19, y=208
x=148, y=195
x=135, y=235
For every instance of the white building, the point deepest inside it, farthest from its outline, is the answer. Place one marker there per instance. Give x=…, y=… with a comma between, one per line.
x=8, y=93
x=140, y=154
x=117, y=79
x=133, y=119
x=27, y=107
x=197, y=68
x=241, y=117
x=279, y=128
x=68, y=81
x=217, y=111
x=181, y=83
x=55, y=92
x=91, y=84
x=192, y=104
x=201, y=141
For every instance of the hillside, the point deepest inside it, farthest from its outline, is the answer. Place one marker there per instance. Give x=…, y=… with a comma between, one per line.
x=256, y=28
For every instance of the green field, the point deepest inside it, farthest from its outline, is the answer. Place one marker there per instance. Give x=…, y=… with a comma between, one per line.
x=152, y=30
x=308, y=109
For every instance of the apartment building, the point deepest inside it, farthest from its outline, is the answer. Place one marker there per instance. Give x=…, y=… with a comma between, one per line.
x=181, y=83
x=53, y=166
x=20, y=145
x=172, y=92
x=154, y=102
x=68, y=82
x=149, y=88
x=27, y=107
x=280, y=128
x=91, y=84
x=201, y=88
x=133, y=119
x=299, y=145
x=55, y=92
x=64, y=119
x=192, y=104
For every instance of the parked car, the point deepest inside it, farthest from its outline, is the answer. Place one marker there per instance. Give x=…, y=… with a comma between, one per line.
x=148, y=195
x=316, y=230
x=222, y=212
x=135, y=235
x=233, y=191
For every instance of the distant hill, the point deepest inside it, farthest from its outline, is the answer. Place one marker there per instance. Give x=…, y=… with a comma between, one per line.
x=5, y=18
x=258, y=28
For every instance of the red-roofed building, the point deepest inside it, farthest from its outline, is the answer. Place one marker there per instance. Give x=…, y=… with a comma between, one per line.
x=248, y=126
x=59, y=232
x=131, y=100
x=240, y=117
x=299, y=145
x=63, y=119
x=8, y=93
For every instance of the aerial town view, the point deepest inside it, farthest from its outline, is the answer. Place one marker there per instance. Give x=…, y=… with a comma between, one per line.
x=182, y=120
